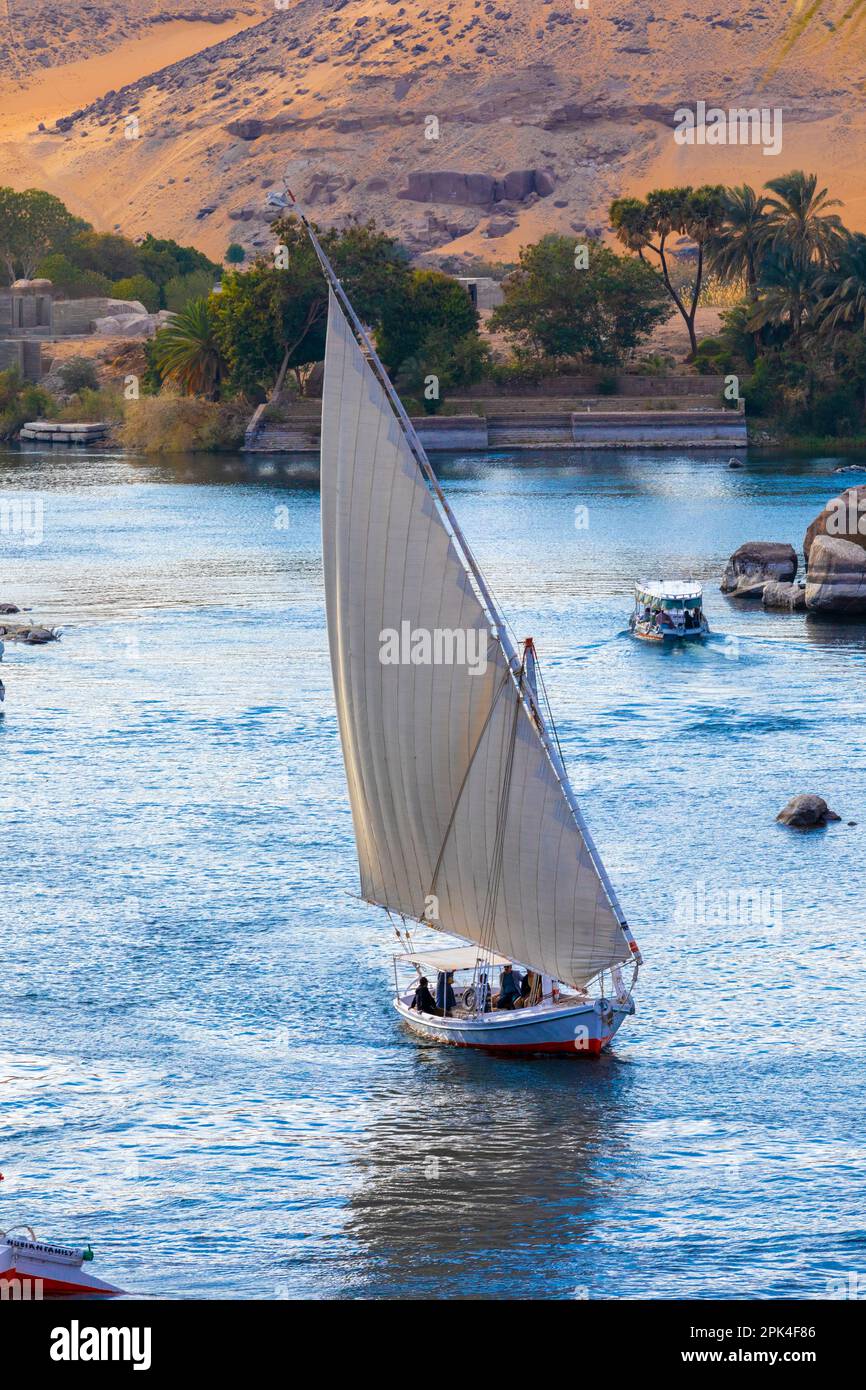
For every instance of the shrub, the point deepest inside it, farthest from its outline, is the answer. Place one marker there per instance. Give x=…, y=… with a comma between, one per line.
x=92, y=405
x=713, y=358
x=236, y=255
x=78, y=373
x=524, y=368
x=171, y=424
x=20, y=401
x=607, y=385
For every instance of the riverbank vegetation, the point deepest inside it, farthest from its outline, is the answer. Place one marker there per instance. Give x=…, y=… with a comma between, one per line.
x=41, y=238
x=788, y=276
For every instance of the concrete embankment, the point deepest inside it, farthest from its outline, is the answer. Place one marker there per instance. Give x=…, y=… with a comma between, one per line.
x=567, y=412
x=603, y=429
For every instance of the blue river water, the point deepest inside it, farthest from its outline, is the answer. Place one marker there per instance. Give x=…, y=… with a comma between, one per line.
x=200, y=1068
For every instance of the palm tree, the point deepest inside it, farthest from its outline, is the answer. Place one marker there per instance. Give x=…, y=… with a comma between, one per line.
x=788, y=293
x=187, y=353
x=735, y=250
x=797, y=219
x=693, y=211
x=843, y=289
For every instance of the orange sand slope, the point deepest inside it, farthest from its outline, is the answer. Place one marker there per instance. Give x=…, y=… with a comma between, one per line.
x=45, y=95
x=341, y=97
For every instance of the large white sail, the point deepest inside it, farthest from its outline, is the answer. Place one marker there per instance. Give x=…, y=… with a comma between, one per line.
x=457, y=800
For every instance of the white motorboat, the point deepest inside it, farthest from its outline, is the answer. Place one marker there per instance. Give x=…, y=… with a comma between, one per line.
x=668, y=611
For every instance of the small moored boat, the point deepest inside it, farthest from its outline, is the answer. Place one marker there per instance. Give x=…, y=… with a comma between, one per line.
x=34, y=1269
x=668, y=611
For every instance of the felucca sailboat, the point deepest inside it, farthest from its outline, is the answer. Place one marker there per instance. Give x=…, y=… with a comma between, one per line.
x=464, y=817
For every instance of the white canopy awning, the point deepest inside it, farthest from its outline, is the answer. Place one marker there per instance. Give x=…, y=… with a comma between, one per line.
x=669, y=589
x=452, y=958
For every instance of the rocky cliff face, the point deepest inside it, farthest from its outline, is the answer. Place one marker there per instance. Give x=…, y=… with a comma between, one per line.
x=463, y=125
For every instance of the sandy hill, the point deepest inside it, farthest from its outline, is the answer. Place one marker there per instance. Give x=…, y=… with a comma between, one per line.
x=36, y=34
x=468, y=126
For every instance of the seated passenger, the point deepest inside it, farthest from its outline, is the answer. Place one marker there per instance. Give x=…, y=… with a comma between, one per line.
x=423, y=1000
x=509, y=988
x=444, y=992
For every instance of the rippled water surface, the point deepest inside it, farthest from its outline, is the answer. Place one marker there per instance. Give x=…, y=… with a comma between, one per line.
x=201, y=1071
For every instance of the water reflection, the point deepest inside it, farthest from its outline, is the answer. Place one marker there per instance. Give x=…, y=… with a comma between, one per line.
x=472, y=1177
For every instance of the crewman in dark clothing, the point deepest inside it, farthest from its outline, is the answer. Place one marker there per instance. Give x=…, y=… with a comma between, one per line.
x=444, y=993
x=529, y=989
x=423, y=1000
x=509, y=988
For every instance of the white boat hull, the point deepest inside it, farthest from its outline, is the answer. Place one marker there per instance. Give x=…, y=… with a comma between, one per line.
x=582, y=1029
x=29, y=1273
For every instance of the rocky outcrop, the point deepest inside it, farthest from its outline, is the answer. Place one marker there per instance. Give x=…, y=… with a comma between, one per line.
x=836, y=578
x=844, y=517
x=780, y=595
x=28, y=634
x=248, y=129
x=756, y=564
x=806, y=812
x=476, y=190
x=142, y=325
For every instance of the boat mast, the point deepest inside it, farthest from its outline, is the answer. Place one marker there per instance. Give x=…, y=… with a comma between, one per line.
x=497, y=621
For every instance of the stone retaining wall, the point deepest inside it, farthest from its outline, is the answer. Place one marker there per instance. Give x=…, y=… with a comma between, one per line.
x=652, y=429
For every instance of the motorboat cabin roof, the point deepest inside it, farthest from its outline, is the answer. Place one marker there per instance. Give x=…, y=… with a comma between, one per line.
x=452, y=958
x=669, y=594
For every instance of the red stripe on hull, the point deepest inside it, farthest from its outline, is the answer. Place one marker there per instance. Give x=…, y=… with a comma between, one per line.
x=592, y=1049
x=50, y=1286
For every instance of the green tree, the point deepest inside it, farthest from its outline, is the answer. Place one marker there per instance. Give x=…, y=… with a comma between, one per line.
x=138, y=287
x=425, y=304
x=235, y=255
x=32, y=223
x=71, y=279
x=276, y=312
x=735, y=248
x=600, y=312
x=441, y=362
x=645, y=225
x=162, y=259
x=798, y=221
x=105, y=252
x=264, y=316
x=373, y=267
x=842, y=306
x=788, y=294
x=187, y=352
x=182, y=288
